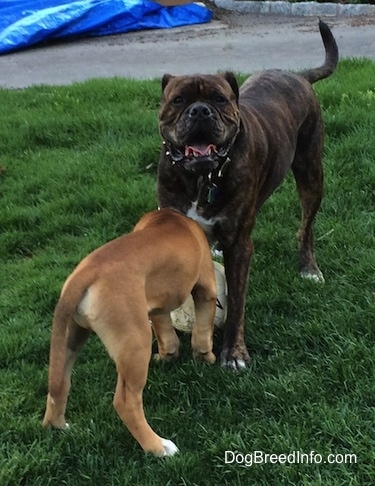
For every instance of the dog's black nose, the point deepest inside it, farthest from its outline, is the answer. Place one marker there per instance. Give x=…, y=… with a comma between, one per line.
x=200, y=111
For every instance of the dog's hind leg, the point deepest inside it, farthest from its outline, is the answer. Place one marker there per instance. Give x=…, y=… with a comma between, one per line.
x=308, y=173
x=127, y=337
x=62, y=358
x=168, y=342
x=202, y=332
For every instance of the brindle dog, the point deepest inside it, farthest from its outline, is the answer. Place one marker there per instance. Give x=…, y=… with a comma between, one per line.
x=225, y=150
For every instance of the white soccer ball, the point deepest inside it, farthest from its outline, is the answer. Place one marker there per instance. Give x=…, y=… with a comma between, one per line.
x=222, y=295
x=183, y=318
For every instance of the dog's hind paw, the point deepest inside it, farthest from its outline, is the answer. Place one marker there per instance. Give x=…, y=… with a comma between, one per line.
x=216, y=253
x=315, y=276
x=170, y=448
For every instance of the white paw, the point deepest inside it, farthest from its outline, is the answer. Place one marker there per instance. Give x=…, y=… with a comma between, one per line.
x=234, y=364
x=314, y=277
x=216, y=253
x=170, y=449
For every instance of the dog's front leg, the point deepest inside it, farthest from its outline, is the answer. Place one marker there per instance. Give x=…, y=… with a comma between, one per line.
x=168, y=342
x=237, y=261
x=203, y=329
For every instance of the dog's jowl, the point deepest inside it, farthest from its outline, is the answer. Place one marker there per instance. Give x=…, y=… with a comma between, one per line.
x=226, y=149
x=114, y=292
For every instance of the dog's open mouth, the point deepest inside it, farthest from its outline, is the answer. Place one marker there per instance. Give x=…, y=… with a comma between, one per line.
x=198, y=157
x=200, y=150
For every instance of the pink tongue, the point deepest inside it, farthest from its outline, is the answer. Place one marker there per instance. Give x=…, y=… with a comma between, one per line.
x=199, y=149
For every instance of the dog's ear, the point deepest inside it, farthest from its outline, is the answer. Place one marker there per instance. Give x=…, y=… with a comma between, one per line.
x=165, y=80
x=230, y=77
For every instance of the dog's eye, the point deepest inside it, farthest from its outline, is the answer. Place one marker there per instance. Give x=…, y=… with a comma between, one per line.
x=220, y=99
x=178, y=100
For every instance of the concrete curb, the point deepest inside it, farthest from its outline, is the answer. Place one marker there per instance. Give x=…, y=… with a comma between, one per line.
x=307, y=9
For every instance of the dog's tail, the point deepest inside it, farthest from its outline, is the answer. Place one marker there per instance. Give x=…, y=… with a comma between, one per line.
x=331, y=60
x=63, y=319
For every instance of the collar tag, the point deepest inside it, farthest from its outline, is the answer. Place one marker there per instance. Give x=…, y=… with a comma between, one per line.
x=212, y=193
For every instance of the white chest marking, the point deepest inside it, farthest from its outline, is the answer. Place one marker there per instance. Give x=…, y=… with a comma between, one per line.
x=206, y=224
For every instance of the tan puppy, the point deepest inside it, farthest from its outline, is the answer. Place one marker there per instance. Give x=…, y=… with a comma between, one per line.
x=114, y=292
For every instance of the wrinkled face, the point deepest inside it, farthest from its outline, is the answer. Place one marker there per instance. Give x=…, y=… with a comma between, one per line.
x=199, y=119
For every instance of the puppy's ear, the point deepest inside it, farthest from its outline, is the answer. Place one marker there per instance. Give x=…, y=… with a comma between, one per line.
x=230, y=77
x=165, y=80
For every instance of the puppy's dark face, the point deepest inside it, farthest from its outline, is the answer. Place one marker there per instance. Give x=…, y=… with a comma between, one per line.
x=199, y=119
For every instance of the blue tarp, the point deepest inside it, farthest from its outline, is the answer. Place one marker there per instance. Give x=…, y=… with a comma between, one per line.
x=25, y=23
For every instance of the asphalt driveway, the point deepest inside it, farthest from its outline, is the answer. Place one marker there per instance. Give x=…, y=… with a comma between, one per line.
x=231, y=41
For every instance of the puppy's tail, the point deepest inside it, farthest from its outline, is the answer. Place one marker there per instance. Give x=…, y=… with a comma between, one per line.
x=331, y=60
x=63, y=320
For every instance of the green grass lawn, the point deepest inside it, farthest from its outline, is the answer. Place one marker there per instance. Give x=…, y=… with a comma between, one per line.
x=77, y=168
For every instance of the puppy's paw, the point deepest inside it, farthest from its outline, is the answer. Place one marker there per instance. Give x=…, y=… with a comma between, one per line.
x=57, y=425
x=209, y=357
x=166, y=356
x=170, y=448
